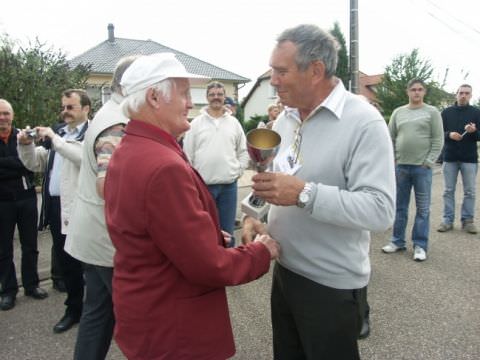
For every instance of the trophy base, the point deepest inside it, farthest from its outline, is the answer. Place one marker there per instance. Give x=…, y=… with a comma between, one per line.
x=257, y=212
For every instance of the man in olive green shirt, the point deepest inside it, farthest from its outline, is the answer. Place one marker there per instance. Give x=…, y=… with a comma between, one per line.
x=417, y=135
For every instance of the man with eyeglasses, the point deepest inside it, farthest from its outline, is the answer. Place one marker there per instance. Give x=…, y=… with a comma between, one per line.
x=216, y=147
x=60, y=161
x=18, y=207
x=461, y=124
x=331, y=183
x=417, y=135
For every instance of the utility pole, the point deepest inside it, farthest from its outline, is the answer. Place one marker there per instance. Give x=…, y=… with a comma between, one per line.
x=354, y=46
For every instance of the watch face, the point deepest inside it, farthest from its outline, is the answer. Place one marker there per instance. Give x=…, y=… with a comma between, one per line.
x=303, y=198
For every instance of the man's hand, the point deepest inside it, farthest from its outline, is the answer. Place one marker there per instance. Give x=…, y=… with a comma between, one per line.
x=23, y=138
x=250, y=228
x=272, y=246
x=470, y=127
x=45, y=132
x=277, y=188
x=455, y=136
x=227, y=238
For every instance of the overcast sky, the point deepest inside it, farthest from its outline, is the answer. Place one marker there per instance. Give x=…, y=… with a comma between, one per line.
x=239, y=35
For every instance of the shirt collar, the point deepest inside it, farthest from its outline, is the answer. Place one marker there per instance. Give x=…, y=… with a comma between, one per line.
x=67, y=131
x=334, y=102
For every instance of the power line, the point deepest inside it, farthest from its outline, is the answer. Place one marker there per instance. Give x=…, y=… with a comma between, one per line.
x=448, y=13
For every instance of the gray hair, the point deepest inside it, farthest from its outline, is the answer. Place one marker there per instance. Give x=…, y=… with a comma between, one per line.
x=312, y=44
x=132, y=103
x=120, y=68
x=6, y=103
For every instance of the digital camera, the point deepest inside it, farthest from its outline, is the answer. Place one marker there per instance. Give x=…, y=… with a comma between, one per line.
x=31, y=133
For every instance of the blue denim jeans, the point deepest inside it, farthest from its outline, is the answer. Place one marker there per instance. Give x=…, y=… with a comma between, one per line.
x=420, y=179
x=450, y=174
x=225, y=196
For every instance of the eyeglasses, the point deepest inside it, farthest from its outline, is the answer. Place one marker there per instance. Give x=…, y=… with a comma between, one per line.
x=216, y=94
x=68, y=107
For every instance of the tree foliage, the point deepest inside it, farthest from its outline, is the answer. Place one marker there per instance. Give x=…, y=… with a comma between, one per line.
x=253, y=122
x=343, y=71
x=391, y=92
x=32, y=80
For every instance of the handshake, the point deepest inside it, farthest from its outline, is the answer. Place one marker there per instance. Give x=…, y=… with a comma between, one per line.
x=253, y=230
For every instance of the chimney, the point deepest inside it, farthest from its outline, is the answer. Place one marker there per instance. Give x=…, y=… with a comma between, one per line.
x=111, y=34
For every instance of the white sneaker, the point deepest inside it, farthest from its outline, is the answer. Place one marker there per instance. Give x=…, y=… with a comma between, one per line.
x=391, y=248
x=419, y=254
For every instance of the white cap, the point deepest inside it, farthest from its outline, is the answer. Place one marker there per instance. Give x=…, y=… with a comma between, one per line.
x=151, y=69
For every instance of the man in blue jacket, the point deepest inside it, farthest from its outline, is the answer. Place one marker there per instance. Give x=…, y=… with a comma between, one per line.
x=461, y=122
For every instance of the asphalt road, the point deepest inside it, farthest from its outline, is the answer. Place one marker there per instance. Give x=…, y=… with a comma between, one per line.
x=428, y=310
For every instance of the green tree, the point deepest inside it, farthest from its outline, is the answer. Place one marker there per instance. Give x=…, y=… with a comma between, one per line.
x=343, y=71
x=32, y=80
x=391, y=92
x=253, y=122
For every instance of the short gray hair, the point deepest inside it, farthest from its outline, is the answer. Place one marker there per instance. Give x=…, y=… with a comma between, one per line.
x=132, y=103
x=312, y=44
x=120, y=68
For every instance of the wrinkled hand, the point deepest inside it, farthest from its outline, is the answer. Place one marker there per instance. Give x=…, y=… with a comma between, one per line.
x=455, y=136
x=227, y=237
x=250, y=228
x=272, y=245
x=277, y=188
x=45, y=132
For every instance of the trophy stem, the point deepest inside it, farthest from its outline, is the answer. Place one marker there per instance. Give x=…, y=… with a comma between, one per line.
x=262, y=146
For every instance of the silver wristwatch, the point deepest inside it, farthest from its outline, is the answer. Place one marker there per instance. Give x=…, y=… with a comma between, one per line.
x=305, y=196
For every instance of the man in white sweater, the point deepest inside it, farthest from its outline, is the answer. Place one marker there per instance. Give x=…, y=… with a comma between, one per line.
x=216, y=148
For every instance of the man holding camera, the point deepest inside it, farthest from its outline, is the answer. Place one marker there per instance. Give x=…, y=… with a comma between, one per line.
x=18, y=206
x=61, y=165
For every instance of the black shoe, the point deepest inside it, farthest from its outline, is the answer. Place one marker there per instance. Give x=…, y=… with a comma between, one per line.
x=65, y=323
x=36, y=293
x=365, y=331
x=7, y=302
x=59, y=285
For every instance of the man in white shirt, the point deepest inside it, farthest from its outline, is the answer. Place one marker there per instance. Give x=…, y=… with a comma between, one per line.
x=216, y=148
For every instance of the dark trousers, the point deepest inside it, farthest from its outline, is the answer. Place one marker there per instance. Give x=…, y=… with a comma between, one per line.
x=71, y=267
x=55, y=268
x=24, y=214
x=312, y=321
x=97, y=321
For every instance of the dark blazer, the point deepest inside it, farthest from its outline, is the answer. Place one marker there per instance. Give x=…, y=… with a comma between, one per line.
x=16, y=181
x=171, y=267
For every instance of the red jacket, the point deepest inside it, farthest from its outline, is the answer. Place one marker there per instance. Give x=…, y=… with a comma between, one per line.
x=171, y=268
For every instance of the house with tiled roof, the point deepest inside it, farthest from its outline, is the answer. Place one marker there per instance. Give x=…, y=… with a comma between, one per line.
x=367, y=86
x=262, y=94
x=103, y=57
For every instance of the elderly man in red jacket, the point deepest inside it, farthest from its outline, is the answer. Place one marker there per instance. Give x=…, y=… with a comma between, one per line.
x=170, y=266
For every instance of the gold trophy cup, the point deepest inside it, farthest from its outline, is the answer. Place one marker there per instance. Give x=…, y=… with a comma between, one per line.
x=262, y=146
